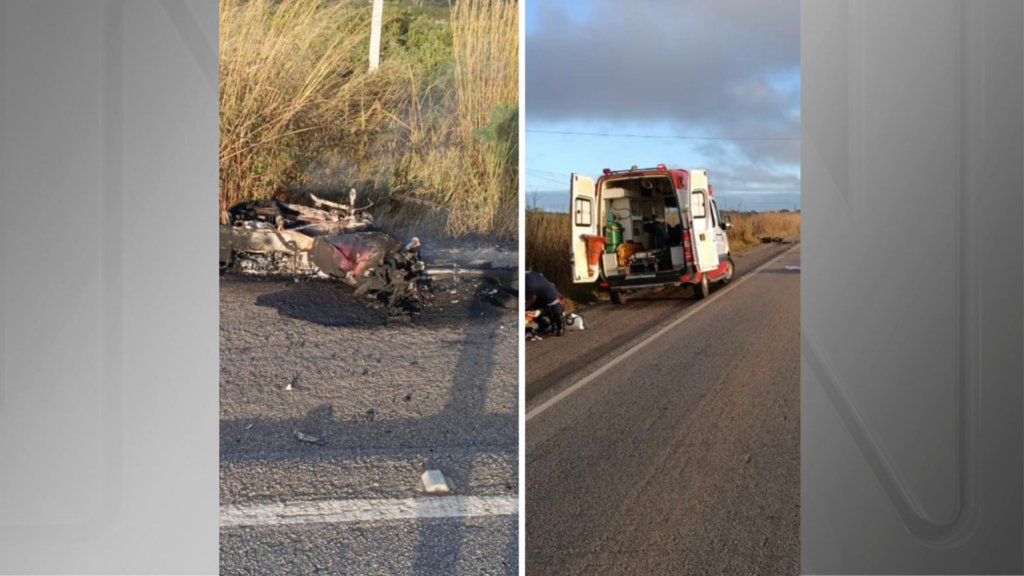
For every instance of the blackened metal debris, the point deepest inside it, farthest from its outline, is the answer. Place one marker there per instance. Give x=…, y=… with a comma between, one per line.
x=338, y=241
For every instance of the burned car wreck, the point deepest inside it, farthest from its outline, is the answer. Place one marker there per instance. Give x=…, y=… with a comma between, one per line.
x=338, y=241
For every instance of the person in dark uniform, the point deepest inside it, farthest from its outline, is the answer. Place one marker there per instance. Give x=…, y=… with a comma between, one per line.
x=659, y=238
x=542, y=294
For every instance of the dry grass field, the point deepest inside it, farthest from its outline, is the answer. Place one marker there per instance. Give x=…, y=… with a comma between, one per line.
x=431, y=137
x=748, y=228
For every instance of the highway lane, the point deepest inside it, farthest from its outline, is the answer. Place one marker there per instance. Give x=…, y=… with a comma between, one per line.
x=552, y=362
x=684, y=457
x=389, y=400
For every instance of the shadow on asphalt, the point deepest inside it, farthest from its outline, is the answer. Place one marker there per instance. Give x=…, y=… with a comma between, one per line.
x=463, y=422
x=468, y=398
x=335, y=305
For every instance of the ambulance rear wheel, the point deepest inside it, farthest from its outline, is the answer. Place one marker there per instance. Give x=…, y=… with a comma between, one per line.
x=618, y=297
x=730, y=270
x=702, y=290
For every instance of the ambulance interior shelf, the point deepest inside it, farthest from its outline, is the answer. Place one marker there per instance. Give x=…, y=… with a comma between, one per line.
x=648, y=237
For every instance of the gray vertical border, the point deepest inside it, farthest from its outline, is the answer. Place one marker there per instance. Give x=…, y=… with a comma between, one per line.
x=978, y=176
x=187, y=28
x=856, y=93
x=144, y=508
x=971, y=126
x=111, y=302
x=3, y=233
x=112, y=265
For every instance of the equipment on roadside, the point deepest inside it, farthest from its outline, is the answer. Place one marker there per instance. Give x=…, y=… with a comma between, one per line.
x=613, y=232
x=574, y=322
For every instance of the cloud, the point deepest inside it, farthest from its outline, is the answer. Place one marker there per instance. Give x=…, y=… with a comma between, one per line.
x=706, y=67
x=753, y=155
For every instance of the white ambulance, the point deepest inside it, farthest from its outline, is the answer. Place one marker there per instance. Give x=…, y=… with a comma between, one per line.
x=642, y=228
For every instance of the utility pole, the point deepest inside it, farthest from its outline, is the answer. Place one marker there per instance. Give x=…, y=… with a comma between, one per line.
x=378, y=16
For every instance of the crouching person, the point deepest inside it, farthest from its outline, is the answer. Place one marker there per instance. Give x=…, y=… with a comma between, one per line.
x=543, y=296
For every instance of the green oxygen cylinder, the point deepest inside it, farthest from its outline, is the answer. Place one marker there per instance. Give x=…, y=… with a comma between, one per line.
x=613, y=232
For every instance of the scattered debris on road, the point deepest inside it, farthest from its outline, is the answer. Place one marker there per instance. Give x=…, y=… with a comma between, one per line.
x=310, y=439
x=574, y=322
x=535, y=328
x=793, y=268
x=434, y=482
x=494, y=292
x=770, y=239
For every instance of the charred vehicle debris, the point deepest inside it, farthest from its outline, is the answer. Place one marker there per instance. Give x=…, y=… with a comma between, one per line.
x=339, y=241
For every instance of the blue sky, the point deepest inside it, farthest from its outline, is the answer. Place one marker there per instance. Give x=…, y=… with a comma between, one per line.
x=724, y=71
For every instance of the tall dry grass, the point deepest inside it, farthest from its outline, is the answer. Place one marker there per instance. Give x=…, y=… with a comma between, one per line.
x=464, y=129
x=287, y=71
x=548, y=245
x=748, y=228
x=431, y=137
x=548, y=237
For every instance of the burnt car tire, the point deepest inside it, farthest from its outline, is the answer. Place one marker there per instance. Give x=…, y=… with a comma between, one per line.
x=619, y=297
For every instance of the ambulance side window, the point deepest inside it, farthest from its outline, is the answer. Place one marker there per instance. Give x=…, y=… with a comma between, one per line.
x=699, y=208
x=714, y=213
x=584, y=212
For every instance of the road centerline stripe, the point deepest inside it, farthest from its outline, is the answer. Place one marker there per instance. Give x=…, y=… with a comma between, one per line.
x=615, y=361
x=366, y=510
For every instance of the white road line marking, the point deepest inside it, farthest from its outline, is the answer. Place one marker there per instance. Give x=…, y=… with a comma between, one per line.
x=690, y=312
x=342, y=511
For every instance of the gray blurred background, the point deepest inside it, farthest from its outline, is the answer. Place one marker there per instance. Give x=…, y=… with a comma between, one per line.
x=911, y=307
x=108, y=287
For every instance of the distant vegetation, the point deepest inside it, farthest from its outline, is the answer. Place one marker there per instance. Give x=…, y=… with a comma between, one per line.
x=548, y=238
x=748, y=228
x=548, y=244
x=431, y=137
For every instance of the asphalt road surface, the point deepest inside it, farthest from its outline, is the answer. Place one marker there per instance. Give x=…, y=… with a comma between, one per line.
x=682, y=456
x=389, y=400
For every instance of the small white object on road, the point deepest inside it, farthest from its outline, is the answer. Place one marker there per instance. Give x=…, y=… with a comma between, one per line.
x=303, y=437
x=434, y=482
x=574, y=322
x=797, y=268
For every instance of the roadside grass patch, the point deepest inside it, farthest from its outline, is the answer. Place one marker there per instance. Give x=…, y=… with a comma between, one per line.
x=431, y=137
